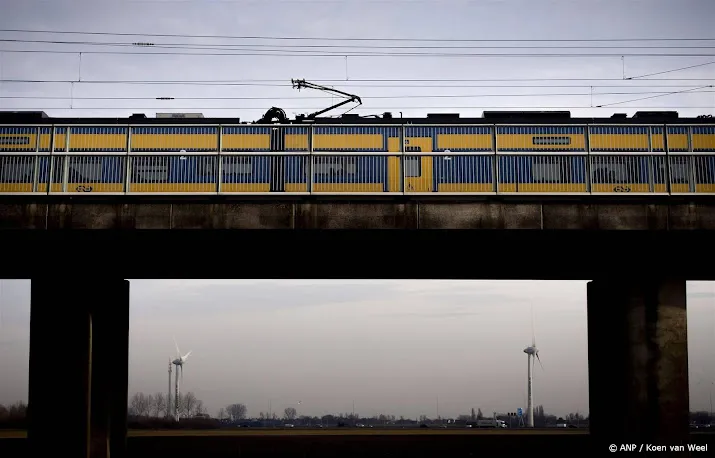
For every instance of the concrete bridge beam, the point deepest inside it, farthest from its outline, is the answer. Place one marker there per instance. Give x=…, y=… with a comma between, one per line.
x=638, y=361
x=78, y=367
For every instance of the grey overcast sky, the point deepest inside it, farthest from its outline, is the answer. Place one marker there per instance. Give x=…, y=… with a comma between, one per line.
x=391, y=346
x=331, y=20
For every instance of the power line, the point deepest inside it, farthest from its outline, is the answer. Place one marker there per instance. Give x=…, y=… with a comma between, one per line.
x=421, y=40
x=412, y=96
x=219, y=46
x=341, y=54
x=351, y=82
x=671, y=71
x=653, y=96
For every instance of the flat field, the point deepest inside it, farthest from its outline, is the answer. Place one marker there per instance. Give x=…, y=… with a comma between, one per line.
x=345, y=442
x=247, y=432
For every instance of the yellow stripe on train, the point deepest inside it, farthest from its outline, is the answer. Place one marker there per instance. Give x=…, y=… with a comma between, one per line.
x=621, y=187
x=677, y=142
x=247, y=142
x=393, y=174
x=705, y=188
x=704, y=142
x=80, y=142
x=246, y=187
x=172, y=187
x=464, y=141
x=349, y=141
x=348, y=187
x=60, y=141
x=619, y=142
x=296, y=141
x=56, y=187
x=95, y=187
x=296, y=187
x=45, y=141
x=175, y=141
x=15, y=187
x=465, y=187
x=542, y=187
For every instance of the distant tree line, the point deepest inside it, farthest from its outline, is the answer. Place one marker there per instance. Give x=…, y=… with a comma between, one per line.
x=153, y=412
x=13, y=416
x=157, y=405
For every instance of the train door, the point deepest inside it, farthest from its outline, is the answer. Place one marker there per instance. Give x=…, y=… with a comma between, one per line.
x=418, y=169
x=277, y=162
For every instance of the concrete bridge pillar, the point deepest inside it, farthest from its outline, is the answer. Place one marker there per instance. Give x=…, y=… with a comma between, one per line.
x=79, y=337
x=638, y=361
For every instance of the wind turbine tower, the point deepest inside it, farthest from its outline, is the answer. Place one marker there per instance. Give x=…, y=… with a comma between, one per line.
x=532, y=353
x=179, y=362
x=168, y=398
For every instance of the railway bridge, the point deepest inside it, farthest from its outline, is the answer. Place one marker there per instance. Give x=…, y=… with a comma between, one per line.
x=626, y=204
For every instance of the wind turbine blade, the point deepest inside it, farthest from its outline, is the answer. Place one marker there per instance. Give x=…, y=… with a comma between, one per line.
x=178, y=352
x=542, y=366
x=186, y=355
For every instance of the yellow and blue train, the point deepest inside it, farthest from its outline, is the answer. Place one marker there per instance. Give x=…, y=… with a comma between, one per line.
x=357, y=155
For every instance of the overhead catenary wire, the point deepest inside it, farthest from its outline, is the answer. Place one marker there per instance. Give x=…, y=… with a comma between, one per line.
x=408, y=96
x=391, y=39
x=653, y=96
x=76, y=83
x=222, y=46
x=352, y=82
x=671, y=71
x=342, y=54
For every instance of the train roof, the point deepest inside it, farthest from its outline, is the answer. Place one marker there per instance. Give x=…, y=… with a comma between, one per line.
x=488, y=117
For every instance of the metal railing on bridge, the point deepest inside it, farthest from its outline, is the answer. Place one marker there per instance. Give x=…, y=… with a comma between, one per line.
x=357, y=159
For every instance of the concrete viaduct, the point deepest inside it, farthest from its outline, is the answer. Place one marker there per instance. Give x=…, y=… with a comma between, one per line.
x=637, y=253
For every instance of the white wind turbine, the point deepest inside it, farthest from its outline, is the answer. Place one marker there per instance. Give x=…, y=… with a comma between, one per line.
x=532, y=353
x=179, y=362
x=168, y=398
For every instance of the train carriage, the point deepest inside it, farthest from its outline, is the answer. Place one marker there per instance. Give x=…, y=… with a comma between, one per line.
x=507, y=155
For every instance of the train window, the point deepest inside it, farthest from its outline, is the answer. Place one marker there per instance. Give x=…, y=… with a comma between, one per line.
x=551, y=140
x=413, y=166
x=234, y=165
x=14, y=140
x=16, y=169
x=335, y=165
x=679, y=169
x=613, y=170
x=85, y=169
x=150, y=169
x=550, y=169
x=205, y=165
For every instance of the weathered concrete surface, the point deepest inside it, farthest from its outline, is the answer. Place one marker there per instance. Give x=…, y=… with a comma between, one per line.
x=92, y=374
x=35, y=213
x=638, y=361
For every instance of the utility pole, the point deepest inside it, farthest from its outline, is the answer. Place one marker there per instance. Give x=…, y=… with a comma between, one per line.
x=438, y=408
x=711, y=402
